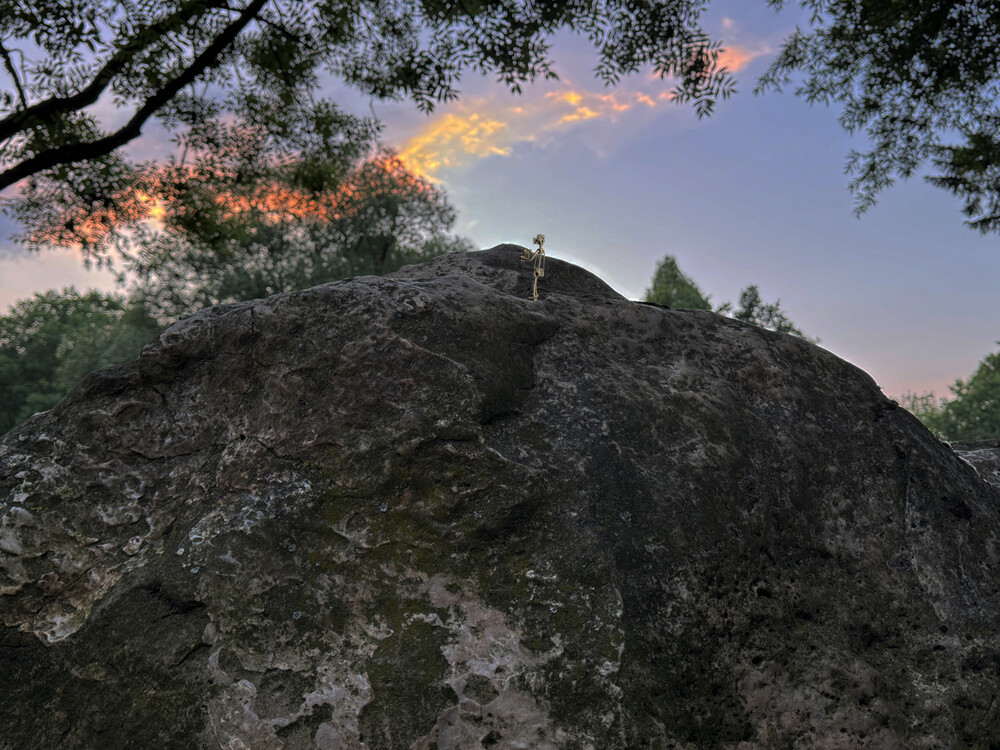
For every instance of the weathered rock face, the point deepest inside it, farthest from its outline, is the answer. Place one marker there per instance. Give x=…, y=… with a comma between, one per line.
x=423, y=511
x=984, y=455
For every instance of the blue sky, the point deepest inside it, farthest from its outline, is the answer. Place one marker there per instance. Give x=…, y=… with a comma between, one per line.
x=617, y=178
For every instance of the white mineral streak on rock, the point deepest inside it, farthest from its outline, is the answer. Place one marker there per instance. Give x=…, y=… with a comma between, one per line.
x=217, y=674
x=58, y=623
x=132, y=546
x=121, y=514
x=72, y=569
x=611, y=667
x=15, y=576
x=234, y=720
x=9, y=541
x=341, y=731
x=984, y=457
x=63, y=617
x=482, y=644
x=208, y=527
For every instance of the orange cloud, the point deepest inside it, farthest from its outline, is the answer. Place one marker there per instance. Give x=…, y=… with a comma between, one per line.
x=479, y=128
x=735, y=58
x=475, y=129
x=275, y=203
x=580, y=113
x=597, y=105
x=154, y=208
x=451, y=138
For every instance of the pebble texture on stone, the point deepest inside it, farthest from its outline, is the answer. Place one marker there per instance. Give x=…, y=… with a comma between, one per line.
x=423, y=511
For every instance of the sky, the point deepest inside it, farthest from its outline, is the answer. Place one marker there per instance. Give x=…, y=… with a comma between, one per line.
x=616, y=178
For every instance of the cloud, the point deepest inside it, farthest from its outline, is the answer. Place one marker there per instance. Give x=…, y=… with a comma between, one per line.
x=734, y=58
x=737, y=54
x=455, y=137
x=477, y=128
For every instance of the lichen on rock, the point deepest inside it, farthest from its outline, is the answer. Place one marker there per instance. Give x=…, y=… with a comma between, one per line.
x=423, y=511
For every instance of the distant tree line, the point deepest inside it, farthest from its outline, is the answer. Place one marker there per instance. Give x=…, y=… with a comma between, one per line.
x=50, y=341
x=972, y=412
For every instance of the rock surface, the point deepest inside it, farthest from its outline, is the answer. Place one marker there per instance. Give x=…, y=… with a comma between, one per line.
x=422, y=511
x=984, y=455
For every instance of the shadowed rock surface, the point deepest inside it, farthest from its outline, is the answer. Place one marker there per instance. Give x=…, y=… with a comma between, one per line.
x=423, y=511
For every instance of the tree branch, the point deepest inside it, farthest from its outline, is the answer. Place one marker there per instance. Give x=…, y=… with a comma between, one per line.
x=77, y=152
x=9, y=64
x=56, y=106
x=280, y=29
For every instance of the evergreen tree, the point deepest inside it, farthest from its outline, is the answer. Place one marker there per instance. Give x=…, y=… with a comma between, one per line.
x=672, y=288
x=770, y=316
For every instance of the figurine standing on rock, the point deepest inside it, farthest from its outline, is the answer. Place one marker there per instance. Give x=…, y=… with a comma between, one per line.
x=538, y=256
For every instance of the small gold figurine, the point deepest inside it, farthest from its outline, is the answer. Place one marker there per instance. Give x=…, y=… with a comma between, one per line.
x=538, y=256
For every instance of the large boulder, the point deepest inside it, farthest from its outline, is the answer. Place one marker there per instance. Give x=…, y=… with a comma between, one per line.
x=423, y=511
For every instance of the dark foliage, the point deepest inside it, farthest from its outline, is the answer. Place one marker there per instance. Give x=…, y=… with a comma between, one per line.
x=920, y=79
x=189, y=64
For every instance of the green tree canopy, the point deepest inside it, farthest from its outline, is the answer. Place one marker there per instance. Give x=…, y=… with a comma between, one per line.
x=240, y=227
x=920, y=79
x=973, y=411
x=238, y=214
x=234, y=239
x=50, y=341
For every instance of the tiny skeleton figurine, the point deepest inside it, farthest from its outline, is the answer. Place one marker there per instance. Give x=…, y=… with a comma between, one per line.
x=538, y=256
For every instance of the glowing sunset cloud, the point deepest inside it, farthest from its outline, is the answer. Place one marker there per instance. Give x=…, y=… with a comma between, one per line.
x=735, y=59
x=732, y=57
x=478, y=128
x=448, y=140
x=271, y=202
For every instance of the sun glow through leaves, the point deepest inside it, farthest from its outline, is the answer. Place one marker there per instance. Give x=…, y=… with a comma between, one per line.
x=167, y=200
